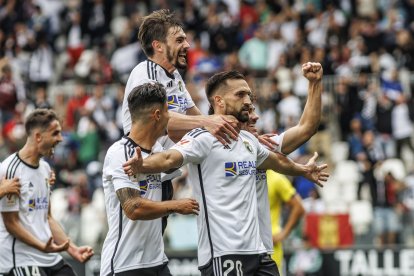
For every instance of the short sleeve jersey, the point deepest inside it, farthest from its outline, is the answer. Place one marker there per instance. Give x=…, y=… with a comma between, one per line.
x=263, y=201
x=224, y=183
x=129, y=244
x=178, y=98
x=32, y=206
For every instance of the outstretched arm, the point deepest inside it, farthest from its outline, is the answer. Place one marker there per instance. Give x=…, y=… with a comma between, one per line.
x=15, y=228
x=156, y=163
x=222, y=127
x=79, y=253
x=138, y=208
x=280, y=163
x=311, y=116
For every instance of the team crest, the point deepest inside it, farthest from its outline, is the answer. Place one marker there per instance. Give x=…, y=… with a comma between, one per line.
x=248, y=146
x=180, y=85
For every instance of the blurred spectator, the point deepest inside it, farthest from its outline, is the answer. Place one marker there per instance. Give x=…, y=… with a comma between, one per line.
x=253, y=54
x=402, y=126
x=75, y=106
x=10, y=93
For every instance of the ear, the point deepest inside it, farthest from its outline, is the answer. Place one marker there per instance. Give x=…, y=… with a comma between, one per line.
x=218, y=101
x=157, y=46
x=157, y=114
x=37, y=135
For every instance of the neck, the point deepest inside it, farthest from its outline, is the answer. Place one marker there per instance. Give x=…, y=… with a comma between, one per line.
x=240, y=125
x=144, y=135
x=29, y=154
x=163, y=62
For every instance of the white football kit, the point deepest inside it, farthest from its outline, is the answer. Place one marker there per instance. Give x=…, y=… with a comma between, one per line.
x=224, y=183
x=33, y=206
x=265, y=224
x=129, y=244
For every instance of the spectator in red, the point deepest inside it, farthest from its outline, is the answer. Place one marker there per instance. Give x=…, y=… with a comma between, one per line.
x=75, y=107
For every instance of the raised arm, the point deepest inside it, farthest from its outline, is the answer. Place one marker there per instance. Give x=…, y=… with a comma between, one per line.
x=221, y=126
x=138, y=208
x=281, y=164
x=309, y=121
x=79, y=253
x=156, y=163
x=15, y=228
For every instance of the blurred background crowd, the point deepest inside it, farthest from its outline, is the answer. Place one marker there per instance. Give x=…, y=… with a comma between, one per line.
x=75, y=57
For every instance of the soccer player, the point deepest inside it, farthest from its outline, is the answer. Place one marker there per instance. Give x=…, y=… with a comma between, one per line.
x=285, y=143
x=165, y=44
x=134, y=243
x=224, y=180
x=9, y=186
x=29, y=236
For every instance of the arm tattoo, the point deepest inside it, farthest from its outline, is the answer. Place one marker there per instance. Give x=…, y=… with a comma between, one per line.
x=129, y=198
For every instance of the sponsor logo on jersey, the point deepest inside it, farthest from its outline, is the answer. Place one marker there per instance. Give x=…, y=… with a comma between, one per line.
x=239, y=168
x=176, y=102
x=152, y=182
x=38, y=203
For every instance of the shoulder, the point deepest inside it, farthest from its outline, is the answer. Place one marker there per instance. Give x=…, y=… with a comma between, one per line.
x=198, y=132
x=10, y=165
x=247, y=135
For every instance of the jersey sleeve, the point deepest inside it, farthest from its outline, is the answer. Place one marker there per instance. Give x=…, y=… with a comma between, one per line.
x=190, y=102
x=194, y=146
x=114, y=171
x=278, y=139
x=8, y=203
x=262, y=152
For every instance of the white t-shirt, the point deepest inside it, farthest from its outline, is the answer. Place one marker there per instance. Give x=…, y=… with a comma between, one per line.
x=263, y=206
x=129, y=244
x=224, y=183
x=33, y=206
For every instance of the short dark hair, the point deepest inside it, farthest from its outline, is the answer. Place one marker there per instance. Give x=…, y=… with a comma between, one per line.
x=155, y=27
x=145, y=96
x=39, y=118
x=218, y=80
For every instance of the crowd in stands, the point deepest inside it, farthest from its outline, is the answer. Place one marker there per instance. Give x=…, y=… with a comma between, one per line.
x=75, y=57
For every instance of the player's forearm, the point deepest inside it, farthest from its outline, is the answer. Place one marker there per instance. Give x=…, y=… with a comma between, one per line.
x=148, y=209
x=16, y=229
x=162, y=162
x=180, y=124
x=282, y=164
x=59, y=236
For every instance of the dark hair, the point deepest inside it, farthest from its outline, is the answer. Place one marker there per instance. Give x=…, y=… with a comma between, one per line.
x=145, y=96
x=155, y=27
x=39, y=118
x=217, y=80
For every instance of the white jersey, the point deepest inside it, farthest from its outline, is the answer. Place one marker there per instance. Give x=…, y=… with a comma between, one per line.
x=265, y=224
x=129, y=244
x=33, y=206
x=224, y=182
x=178, y=98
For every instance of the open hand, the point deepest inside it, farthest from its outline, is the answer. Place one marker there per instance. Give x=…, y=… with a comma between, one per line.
x=315, y=173
x=81, y=253
x=222, y=127
x=187, y=206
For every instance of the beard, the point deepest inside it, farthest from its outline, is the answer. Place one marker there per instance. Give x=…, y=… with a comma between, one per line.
x=242, y=115
x=175, y=61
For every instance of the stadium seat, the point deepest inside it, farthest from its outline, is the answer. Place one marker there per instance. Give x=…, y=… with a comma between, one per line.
x=59, y=204
x=361, y=216
x=347, y=170
x=394, y=165
x=340, y=151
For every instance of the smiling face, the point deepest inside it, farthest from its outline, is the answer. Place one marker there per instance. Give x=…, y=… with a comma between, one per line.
x=176, y=48
x=48, y=138
x=237, y=99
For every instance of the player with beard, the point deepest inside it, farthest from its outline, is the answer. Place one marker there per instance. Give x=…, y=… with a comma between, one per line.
x=165, y=44
x=29, y=236
x=286, y=142
x=224, y=182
